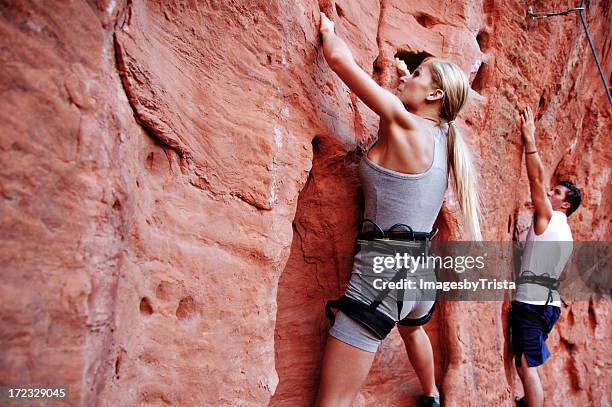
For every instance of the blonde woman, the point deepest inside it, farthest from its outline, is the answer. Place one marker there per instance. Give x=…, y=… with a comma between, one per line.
x=404, y=177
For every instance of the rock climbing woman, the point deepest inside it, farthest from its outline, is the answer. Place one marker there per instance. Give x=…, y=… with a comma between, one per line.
x=404, y=177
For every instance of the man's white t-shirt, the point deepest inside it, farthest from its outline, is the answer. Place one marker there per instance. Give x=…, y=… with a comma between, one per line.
x=545, y=254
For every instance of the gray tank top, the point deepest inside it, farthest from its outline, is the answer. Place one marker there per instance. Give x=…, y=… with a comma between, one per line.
x=393, y=197
x=414, y=199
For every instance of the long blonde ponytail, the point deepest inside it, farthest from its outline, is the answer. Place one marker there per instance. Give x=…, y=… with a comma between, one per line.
x=453, y=81
x=465, y=181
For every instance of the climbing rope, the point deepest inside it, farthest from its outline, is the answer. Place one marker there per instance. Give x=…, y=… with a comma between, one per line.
x=538, y=15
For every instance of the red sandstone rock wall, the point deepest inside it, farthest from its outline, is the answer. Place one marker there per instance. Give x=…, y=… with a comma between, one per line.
x=178, y=194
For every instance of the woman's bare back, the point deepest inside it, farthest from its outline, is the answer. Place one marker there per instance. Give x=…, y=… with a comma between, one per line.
x=409, y=151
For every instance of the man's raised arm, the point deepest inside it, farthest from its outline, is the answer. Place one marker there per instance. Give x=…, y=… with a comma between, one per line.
x=535, y=172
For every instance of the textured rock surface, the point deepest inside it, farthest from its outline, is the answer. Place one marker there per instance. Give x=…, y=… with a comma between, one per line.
x=178, y=194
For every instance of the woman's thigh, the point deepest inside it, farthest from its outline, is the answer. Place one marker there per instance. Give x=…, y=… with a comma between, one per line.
x=344, y=370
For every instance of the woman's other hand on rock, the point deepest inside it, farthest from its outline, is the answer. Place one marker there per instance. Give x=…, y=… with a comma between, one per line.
x=326, y=25
x=402, y=68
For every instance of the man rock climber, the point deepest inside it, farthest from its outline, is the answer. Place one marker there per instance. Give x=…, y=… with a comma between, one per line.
x=548, y=246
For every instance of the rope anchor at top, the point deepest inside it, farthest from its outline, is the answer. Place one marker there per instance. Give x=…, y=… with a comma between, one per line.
x=538, y=15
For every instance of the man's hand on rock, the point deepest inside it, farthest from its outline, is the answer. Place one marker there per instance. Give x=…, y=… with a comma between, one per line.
x=527, y=127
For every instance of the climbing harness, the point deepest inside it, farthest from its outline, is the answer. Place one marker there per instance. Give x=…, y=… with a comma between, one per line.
x=368, y=314
x=538, y=15
x=528, y=277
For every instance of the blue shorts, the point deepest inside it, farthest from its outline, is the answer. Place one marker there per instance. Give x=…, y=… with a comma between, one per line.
x=530, y=325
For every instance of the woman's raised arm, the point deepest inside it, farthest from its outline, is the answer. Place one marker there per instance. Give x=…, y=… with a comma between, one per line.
x=341, y=61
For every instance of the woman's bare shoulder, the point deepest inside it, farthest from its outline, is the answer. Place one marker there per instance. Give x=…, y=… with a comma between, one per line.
x=413, y=134
x=406, y=120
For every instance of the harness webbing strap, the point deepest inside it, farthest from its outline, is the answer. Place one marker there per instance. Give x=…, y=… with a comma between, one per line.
x=551, y=283
x=377, y=322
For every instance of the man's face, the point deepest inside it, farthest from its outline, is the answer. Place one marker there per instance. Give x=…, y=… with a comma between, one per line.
x=557, y=198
